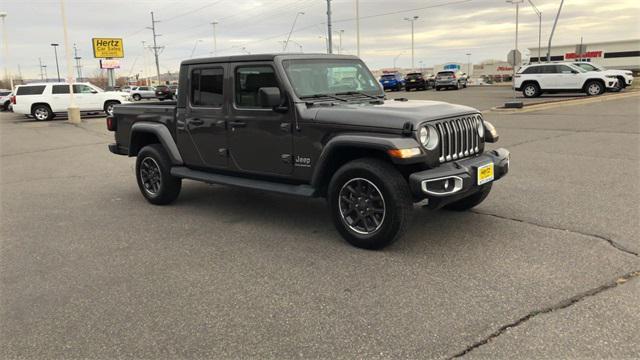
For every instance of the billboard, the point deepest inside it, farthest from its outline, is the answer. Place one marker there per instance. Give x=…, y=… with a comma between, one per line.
x=107, y=48
x=109, y=64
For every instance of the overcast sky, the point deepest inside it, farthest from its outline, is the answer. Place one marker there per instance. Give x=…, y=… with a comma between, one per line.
x=445, y=30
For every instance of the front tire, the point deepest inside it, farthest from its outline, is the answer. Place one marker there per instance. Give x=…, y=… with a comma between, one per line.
x=42, y=112
x=137, y=97
x=153, y=174
x=472, y=201
x=594, y=88
x=370, y=203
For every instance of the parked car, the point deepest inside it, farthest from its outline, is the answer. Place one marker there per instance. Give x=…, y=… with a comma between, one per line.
x=415, y=81
x=393, y=82
x=142, y=92
x=536, y=79
x=451, y=79
x=164, y=92
x=5, y=99
x=277, y=123
x=174, y=88
x=625, y=77
x=44, y=100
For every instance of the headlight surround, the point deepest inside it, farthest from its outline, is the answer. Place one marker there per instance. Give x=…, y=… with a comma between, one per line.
x=481, y=128
x=428, y=137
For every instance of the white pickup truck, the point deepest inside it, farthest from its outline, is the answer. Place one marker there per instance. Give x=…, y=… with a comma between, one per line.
x=44, y=100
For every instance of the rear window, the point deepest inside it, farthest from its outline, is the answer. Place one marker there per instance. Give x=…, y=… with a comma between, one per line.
x=30, y=90
x=5, y=93
x=445, y=73
x=416, y=75
x=388, y=77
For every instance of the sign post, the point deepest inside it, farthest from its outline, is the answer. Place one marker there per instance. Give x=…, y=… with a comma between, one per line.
x=108, y=48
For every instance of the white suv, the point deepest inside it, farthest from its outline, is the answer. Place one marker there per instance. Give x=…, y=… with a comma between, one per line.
x=625, y=77
x=535, y=79
x=44, y=100
x=142, y=92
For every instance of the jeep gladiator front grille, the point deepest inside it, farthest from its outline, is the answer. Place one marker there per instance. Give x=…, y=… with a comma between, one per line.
x=458, y=137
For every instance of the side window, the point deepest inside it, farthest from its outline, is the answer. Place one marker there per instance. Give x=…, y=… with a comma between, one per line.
x=206, y=87
x=248, y=80
x=81, y=89
x=532, y=70
x=564, y=69
x=30, y=90
x=60, y=89
x=548, y=69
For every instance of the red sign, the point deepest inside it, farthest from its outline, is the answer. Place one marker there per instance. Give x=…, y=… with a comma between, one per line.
x=586, y=55
x=504, y=68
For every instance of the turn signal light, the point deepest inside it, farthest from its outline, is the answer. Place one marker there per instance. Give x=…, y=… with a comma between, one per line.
x=111, y=124
x=404, y=153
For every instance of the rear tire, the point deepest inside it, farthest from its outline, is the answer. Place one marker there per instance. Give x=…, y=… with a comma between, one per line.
x=370, y=203
x=531, y=90
x=470, y=201
x=594, y=88
x=42, y=112
x=153, y=174
x=137, y=97
x=108, y=107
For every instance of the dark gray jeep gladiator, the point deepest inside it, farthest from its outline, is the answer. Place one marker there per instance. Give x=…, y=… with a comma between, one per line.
x=316, y=126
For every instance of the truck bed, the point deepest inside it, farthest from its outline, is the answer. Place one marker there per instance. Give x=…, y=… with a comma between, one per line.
x=126, y=115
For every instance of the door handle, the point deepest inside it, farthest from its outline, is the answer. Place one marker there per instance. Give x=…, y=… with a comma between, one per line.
x=196, y=121
x=236, y=124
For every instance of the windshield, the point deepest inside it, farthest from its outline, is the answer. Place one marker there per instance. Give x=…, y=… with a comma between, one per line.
x=587, y=67
x=330, y=76
x=5, y=93
x=579, y=69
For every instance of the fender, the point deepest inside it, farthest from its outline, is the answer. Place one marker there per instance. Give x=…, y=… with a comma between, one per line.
x=363, y=141
x=163, y=134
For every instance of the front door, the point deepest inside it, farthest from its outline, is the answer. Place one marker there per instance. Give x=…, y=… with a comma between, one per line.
x=202, y=133
x=260, y=139
x=567, y=78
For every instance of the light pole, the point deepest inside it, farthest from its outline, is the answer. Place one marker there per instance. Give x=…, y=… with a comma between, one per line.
x=215, y=41
x=77, y=58
x=329, y=31
x=297, y=44
x=412, y=20
x=421, y=64
x=46, y=76
x=73, y=111
x=291, y=31
x=5, y=41
x=55, y=51
x=325, y=41
x=468, y=64
x=340, y=41
x=553, y=29
x=194, y=48
x=539, y=13
x=515, y=53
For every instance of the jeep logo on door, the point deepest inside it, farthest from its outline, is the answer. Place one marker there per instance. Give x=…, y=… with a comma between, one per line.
x=302, y=161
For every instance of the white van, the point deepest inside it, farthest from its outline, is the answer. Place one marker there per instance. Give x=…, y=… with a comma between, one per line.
x=44, y=100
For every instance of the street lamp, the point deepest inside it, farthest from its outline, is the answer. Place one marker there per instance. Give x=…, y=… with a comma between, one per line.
x=517, y=104
x=412, y=20
x=291, y=31
x=468, y=64
x=340, y=41
x=394, y=61
x=539, y=13
x=5, y=40
x=55, y=51
x=215, y=43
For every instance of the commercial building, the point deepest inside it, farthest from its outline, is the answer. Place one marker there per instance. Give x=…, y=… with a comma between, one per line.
x=620, y=54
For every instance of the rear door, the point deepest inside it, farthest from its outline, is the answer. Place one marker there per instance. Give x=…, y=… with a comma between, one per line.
x=203, y=135
x=59, y=98
x=547, y=77
x=260, y=139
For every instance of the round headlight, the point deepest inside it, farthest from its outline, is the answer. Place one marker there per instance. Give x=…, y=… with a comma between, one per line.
x=428, y=137
x=480, y=128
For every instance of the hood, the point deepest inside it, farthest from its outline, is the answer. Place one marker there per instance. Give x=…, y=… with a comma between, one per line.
x=392, y=114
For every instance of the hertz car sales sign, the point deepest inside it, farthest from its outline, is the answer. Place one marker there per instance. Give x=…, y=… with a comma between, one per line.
x=107, y=48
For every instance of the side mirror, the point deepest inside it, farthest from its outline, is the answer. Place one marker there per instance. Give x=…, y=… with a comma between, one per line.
x=94, y=92
x=574, y=71
x=270, y=97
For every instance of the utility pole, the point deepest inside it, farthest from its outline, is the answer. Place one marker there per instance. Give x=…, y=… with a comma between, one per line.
x=358, y=28
x=41, y=72
x=215, y=42
x=539, y=13
x=412, y=20
x=469, y=64
x=77, y=58
x=340, y=41
x=55, y=51
x=329, y=38
x=155, y=45
x=145, y=64
x=555, y=22
x=46, y=76
x=73, y=111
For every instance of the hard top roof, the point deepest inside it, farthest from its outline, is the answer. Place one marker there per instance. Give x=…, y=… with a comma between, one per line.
x=264, y=57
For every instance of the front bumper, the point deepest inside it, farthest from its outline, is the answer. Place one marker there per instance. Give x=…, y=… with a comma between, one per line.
x=462, y=174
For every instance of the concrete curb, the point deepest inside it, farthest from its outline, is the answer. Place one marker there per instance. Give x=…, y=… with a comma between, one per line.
x=565, y=102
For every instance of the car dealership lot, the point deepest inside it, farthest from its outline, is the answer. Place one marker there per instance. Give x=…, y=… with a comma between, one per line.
x=90, y=269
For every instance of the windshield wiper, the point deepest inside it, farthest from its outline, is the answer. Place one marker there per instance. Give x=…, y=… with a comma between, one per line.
x=360, y=93
x=319, y=96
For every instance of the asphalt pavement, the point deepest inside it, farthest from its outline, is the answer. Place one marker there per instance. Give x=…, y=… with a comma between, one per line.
x=546, y=267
